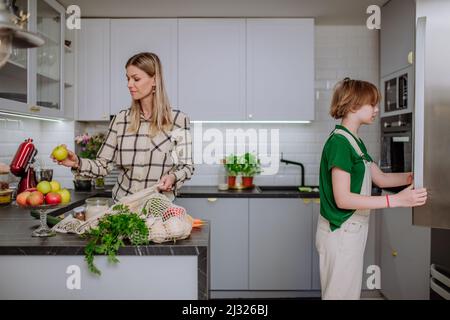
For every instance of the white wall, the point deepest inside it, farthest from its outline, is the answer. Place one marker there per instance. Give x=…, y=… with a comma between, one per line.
x=45, y=134
x=340, y=51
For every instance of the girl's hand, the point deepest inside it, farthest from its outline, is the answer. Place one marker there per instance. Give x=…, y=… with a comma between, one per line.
x=166, y=183
x=409, y=197
x=71, y=161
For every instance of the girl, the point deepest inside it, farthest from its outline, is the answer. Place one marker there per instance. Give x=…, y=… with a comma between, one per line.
x=346, y=175
x=149, y=142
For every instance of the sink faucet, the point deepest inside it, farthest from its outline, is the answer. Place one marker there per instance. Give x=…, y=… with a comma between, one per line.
x=297, y=164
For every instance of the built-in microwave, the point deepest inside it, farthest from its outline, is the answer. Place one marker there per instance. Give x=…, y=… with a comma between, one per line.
x=397, y=96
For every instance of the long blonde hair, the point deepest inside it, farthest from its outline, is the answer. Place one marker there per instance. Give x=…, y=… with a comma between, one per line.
x=161, y=119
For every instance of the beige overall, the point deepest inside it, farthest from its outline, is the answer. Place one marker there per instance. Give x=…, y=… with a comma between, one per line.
x=341, y=252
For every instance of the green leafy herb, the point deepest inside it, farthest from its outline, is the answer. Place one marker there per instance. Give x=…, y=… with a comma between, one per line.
x=113, y=229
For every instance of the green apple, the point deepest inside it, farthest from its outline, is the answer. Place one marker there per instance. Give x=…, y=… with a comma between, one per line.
x=60, y=153
x=55, y=186
x=65, y=195
x=44, y=187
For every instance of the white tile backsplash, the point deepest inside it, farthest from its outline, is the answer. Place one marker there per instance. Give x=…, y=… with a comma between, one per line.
x=340, y=51
x=45, y=134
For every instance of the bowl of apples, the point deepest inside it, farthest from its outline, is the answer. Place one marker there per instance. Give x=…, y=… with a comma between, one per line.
x=47, y=195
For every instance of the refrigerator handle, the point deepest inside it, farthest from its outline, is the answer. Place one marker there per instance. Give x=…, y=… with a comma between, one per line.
x=419, y=112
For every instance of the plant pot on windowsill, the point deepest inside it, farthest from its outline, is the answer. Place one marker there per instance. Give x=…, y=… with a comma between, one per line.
x=247, y=182
x=231, y=181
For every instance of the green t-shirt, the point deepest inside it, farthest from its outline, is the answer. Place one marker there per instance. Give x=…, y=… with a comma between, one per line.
x=338, y=152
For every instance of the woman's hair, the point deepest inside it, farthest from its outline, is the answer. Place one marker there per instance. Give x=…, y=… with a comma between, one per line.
x=350, y=95
x=162, y=113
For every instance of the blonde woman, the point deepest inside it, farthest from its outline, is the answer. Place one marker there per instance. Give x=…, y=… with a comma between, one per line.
x=346, y=175
x=149, y=142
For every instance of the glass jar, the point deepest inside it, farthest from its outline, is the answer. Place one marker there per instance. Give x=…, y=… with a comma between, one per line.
x=96, y=206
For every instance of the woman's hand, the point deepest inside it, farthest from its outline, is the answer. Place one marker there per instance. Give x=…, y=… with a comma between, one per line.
x=71, y=161
x=409, y=197
x=166, y=183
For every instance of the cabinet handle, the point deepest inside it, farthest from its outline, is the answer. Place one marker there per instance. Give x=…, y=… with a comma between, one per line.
x=394, y=253
x=212, y=199
x=410, y=57
x=35, y=109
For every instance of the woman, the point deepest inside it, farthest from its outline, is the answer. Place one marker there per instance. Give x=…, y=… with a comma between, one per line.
x=149, y=142
x=346, y=175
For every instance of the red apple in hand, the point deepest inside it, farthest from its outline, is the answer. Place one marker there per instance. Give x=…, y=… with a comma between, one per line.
x=36, y=198
x=21, y=198
x=53, y=198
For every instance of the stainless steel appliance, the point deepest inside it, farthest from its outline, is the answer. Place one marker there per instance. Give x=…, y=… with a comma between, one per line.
x=432, y=134
x=397, y=93
x=396, y=143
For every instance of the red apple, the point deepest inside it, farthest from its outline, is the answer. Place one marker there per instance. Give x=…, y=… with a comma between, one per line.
x=36, y=198
x=21, y=198
x=53, y=198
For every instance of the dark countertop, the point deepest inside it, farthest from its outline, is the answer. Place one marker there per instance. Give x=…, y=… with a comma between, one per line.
x=214, y=192
x=16, y=226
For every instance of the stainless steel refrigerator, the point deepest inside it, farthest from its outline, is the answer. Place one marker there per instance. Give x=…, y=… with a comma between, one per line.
x=432, y=134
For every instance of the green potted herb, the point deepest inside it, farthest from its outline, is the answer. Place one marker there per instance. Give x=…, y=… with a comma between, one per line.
x=232, y=168
x=250, y=166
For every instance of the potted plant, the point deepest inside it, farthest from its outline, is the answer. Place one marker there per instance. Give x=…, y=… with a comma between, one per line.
x=250, y=166
x=232, y=168
x=88, y=147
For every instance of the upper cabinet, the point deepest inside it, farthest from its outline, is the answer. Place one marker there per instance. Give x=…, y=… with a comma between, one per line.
x=32, y=80
x=212, y=68
x=396, y=35
x=280, y=69
x=93, y=52
x=131, y=36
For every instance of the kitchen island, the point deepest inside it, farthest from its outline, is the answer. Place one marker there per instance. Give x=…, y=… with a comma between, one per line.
x=54, y=268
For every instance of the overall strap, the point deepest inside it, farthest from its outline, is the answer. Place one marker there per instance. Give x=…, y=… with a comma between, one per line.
x=352, y=141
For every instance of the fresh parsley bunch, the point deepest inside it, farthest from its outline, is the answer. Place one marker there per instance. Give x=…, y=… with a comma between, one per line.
x=112, y=230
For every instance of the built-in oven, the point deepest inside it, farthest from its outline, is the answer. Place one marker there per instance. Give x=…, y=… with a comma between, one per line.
x=396, y=144
x=396, y=92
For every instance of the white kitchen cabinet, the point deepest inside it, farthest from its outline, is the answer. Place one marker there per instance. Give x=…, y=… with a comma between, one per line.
x=280, y=244
x=229, y=238
x=93, y=88
x=396, y=35
x=212, y=68
x=280, y=69
x=32, y=82
x=131, y=36
x=404, y=256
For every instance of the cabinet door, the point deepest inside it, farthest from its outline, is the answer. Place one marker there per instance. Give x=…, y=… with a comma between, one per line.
x=212, y=68
x=93, y=70
x=405, y=256
x=14, y=89
x=131, y=36
x=396, y=35
x=280, y=69
x=229, y=239
x=280, y=244
x=48, y=60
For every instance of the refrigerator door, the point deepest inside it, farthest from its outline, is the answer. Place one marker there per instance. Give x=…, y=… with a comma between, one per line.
x=432, y=113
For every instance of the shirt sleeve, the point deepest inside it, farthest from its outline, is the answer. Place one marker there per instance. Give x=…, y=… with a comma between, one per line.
x=182, y=153
x=106, y=156
x=339, y=155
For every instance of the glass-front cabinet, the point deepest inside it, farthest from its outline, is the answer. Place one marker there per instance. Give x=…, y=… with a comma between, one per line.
x=32, y=80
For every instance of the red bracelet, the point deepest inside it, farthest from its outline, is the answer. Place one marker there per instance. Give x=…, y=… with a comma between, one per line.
x=387, y=200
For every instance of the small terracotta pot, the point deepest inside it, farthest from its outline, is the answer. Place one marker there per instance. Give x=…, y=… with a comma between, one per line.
x=231, y=181
x=247, y=182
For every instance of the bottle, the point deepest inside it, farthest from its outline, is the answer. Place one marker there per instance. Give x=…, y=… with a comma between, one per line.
x=222, y=183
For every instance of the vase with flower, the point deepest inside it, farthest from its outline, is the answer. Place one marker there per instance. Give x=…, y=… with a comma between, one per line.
x=88, y=147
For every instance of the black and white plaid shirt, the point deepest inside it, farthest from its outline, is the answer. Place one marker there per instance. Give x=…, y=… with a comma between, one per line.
x=142, y=160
